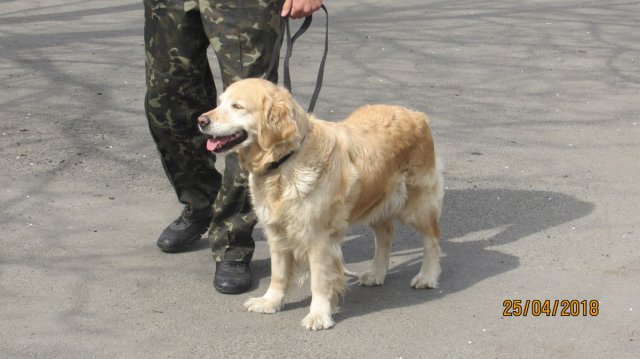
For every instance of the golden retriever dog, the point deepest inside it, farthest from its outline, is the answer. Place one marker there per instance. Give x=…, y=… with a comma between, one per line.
x=311, y=179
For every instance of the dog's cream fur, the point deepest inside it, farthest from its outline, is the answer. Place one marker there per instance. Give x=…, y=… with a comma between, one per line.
x=375, y=167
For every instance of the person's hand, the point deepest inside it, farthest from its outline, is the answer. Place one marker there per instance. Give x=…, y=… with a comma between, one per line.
x=300, y=8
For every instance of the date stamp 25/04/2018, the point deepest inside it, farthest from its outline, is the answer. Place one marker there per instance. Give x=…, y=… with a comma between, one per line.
x=550, y=308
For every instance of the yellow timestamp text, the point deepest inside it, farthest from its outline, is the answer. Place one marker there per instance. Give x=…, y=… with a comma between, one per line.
x=550, y=308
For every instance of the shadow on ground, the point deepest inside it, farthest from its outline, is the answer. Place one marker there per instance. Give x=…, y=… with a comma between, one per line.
x=474, y=222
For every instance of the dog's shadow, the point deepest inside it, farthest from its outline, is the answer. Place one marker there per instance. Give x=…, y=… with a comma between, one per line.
x=473, y=222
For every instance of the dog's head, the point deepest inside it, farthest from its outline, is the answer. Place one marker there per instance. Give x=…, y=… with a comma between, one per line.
x=258, y=120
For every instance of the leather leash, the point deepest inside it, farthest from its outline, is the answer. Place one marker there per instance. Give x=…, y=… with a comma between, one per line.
x=284, y=28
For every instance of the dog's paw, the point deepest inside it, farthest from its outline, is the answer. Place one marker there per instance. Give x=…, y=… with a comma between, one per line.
x=317, y=321
x=371, y=278
x=262, y=305
x=421, y=281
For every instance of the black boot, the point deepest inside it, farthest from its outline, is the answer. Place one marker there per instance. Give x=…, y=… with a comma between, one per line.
x=181, y=233
x=232, y=277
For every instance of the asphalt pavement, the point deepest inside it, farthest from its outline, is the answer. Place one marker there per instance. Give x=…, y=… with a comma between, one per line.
x=535, y=110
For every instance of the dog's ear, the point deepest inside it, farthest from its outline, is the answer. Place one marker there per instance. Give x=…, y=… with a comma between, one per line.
x=277, y=126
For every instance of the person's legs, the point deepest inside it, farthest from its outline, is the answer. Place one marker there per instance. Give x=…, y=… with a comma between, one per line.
x=180, y=87
x=243, y=35
x=233, y=216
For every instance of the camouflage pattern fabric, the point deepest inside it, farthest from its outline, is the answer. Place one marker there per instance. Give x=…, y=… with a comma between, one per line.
x=180, y=87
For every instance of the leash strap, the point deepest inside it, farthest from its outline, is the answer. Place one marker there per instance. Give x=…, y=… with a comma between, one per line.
x=284, y=29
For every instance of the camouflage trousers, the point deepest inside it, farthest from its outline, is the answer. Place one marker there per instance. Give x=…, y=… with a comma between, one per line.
x=180, y=87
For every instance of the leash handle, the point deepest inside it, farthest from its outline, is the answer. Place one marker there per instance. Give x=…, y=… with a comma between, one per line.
x=276, y=48
x=316, y=91
x=285, y=29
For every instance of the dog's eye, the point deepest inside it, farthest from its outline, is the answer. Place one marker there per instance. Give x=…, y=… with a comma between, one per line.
x=237, y=106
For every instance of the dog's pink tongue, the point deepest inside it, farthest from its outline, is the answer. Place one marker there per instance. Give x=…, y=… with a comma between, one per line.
x=212, y=144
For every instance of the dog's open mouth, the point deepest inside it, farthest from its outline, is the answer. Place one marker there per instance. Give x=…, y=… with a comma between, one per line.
x=224, y=143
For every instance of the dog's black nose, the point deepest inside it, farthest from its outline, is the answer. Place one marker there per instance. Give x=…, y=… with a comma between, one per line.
x=203, y=121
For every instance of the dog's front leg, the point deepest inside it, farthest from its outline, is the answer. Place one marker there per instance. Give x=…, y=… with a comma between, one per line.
x=271, y=301
x=327, y=283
